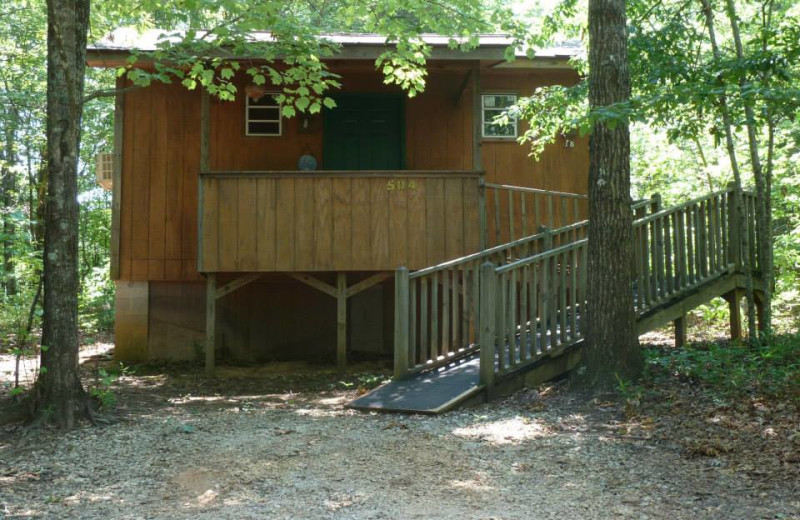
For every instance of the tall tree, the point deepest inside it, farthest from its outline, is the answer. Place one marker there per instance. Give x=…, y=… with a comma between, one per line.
x=59, y=396
x=613, y=349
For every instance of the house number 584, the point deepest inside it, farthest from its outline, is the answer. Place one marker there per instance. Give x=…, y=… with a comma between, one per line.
x=397, y=185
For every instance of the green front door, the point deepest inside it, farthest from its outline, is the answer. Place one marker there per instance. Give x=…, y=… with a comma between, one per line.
x=364, y=132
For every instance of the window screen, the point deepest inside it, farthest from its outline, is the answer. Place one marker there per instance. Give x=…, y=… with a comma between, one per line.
x=263, y=116
x=495, y=105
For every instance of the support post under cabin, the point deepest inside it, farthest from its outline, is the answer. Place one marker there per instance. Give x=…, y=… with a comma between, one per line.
x=341, y=321
x=211, y=321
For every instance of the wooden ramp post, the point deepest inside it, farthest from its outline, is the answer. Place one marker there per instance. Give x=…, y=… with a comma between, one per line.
x=733, y=298
x=680, y=331
x=401, y=323
x=487, y=333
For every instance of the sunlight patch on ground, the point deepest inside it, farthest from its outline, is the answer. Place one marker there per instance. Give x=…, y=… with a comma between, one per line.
x=316, y=412
x=331, y=401
x=83, y=496
x=480, y=483
x=507, y=431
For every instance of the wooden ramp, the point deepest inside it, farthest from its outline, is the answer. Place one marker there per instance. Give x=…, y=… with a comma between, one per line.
x=431, y=392
x=519, y=305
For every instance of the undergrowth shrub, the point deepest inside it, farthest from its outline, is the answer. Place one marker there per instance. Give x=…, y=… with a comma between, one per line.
x=771, y=370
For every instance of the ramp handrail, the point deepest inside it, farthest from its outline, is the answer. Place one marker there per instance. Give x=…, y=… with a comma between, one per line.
x=532, y=307
x=437, y=308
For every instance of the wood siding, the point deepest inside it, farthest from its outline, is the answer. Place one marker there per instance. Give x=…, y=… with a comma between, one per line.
x=158, y=222
x=362, y=221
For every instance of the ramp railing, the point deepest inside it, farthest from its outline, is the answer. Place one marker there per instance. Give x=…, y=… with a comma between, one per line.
x=524, y=299
x=436, y=309
x=534, y=306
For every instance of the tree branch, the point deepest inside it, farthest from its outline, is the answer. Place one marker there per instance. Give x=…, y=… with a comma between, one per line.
x=110, y=92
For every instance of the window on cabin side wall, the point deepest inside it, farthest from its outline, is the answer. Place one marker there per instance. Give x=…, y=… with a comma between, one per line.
x=493, y=106
x=263, y=116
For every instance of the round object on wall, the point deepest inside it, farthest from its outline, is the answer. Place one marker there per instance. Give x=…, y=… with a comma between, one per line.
x=307, y=163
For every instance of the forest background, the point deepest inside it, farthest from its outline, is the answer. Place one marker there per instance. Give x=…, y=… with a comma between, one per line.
x=677, y=138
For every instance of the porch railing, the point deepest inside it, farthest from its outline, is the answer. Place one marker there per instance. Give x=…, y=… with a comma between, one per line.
x=514, y=212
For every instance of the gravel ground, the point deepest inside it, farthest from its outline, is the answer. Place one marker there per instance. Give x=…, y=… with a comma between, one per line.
x=258, y=443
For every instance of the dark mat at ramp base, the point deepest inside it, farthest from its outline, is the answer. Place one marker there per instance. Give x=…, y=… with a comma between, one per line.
x=430, y=392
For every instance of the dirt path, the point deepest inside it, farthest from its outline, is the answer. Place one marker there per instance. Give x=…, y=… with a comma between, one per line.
x=261, y=444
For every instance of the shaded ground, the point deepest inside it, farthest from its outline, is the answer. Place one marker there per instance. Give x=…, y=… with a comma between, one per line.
x=276, y=442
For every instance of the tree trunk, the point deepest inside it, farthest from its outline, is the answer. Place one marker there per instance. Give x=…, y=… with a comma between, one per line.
x=59, y=396
x=8, y=186
x=738, y=199
x=763, y=225
x=613, y=346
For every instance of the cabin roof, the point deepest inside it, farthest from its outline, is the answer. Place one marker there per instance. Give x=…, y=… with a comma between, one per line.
x=354, y=46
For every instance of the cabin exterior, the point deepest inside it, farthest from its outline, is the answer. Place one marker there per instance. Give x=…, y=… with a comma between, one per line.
x=251, y=237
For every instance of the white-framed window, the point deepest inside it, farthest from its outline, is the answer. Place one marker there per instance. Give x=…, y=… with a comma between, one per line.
x=263, y=116
x=492, y=106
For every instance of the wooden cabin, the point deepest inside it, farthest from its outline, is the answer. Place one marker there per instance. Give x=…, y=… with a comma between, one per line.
x=268, y=238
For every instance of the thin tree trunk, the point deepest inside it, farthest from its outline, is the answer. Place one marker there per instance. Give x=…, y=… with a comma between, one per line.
x=8, y=185
x=702, y=156
x=764, y=240
x=737, y=178
x=59, y=396
x=613, y=347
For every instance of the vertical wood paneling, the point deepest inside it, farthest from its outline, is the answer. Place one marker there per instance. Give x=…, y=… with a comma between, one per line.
x=228, y=229
x=191, y=167
x=398, y=226
x=284, y=224
x=210, y=225
x=417, y=225
x=173, y=234
x=361, y=256
x=140, y=205
x=266, y=235
x=158, y=218
x=471, y=217
x=454, y=218
x=304, y=205
x=126, y=190
x=436, y=220
x=158, y=183
x=323, y=224
x=379, y=215
x=246, y=229
x=342, y=222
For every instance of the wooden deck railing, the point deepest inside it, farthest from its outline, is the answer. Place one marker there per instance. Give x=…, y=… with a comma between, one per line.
x=518, y=309
x=336, y=220
x=514, y=212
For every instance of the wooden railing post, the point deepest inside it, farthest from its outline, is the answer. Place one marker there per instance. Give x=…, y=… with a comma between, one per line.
x=734, y=230
x=656, y=204
x=486, y=324
x=401, y=332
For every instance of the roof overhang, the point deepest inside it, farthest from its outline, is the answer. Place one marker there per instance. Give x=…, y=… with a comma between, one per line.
x=115, y=49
